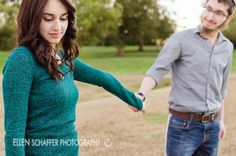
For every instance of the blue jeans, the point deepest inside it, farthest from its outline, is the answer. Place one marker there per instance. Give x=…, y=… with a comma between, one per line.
x=192, y=138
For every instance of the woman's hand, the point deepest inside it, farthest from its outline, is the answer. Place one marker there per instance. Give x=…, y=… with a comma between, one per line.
x=144, y=105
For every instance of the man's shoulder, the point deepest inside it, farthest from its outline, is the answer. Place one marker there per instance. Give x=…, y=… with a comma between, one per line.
x=228, y=42
x=183, y=33
x=182, y=36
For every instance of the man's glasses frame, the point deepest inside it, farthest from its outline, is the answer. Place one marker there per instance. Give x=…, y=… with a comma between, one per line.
x=216, y=13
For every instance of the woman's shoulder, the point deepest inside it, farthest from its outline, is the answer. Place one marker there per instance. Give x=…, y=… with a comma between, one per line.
x=21, y=53
x=20, y=58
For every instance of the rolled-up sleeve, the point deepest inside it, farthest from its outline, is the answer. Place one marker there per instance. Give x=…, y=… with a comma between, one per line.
x=168, y=55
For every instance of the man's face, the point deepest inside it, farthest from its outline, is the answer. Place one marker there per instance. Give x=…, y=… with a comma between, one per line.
x=214, y=15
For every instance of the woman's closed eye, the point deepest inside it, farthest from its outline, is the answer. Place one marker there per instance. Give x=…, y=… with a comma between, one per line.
x=64, y=18
x=48, y=19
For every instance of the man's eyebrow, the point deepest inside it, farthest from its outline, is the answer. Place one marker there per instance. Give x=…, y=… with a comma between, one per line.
x=215, y=10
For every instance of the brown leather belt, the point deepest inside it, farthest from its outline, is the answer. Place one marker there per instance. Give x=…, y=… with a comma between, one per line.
x=195, y=116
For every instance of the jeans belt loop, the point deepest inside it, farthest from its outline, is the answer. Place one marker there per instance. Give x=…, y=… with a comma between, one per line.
x=212, y=116
x=191, y=116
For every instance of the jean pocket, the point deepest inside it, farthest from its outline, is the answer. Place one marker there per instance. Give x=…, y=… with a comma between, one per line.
x=179, y=122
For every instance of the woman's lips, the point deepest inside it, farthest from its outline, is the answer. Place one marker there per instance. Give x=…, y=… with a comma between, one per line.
x=55, y=35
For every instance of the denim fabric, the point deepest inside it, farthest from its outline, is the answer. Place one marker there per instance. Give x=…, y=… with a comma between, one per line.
x=192, y=138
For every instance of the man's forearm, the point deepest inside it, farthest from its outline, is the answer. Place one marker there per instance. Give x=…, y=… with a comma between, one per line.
x=147, y=85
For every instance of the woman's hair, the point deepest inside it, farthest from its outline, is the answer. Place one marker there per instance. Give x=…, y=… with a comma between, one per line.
x=29, y=19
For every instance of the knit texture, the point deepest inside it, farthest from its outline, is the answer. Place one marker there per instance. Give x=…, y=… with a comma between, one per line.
x=39, y=110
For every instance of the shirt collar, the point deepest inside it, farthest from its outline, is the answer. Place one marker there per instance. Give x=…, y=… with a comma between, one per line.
x=220, y=35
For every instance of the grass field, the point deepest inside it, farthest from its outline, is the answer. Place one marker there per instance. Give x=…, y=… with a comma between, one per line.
x=132, y=62
x=104, y=58
x=3, y=58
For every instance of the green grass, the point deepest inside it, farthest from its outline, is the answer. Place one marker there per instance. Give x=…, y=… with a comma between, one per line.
x=105, y=58
x=132, y=62
x=3, y=58
x=234, y=61
x=155, y=117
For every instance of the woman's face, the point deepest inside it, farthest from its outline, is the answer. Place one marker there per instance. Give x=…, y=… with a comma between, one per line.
x=54, y=22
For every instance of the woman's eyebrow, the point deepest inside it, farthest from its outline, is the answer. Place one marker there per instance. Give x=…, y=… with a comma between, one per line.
x=49, y=14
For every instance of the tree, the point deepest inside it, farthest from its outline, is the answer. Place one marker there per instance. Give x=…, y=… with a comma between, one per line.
x=143, y=22
x=230, y=31
x=96, y=20
x=165, y=28
x=8, y=11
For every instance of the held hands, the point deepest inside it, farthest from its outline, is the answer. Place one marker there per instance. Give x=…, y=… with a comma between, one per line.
x=144, y=105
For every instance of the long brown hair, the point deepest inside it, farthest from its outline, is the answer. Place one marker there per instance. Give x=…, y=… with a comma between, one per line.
x=29, y=18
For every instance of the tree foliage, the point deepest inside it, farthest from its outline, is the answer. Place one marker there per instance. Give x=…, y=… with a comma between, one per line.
x=8, y=11
x=101, y=23
x=96, y=20
x=143, y=22
x=230, y=32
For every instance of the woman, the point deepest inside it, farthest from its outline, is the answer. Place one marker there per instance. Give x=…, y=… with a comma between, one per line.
x=38, y=81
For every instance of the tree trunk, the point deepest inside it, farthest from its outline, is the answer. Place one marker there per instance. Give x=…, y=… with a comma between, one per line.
x=120, y=51
x=140, y=46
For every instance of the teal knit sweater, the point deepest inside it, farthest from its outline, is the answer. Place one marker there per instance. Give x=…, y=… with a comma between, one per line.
x=39, y=112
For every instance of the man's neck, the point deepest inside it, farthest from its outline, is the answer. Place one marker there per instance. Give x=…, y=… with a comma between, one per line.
x=212, y=35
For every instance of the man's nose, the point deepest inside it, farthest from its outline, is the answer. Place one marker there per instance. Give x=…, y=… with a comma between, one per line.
x=211, y=15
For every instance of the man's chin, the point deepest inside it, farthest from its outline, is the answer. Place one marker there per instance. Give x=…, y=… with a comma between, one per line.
x=210, y=28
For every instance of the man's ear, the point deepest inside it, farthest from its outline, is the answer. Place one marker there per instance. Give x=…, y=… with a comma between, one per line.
x=226, y=24
x=229, y=18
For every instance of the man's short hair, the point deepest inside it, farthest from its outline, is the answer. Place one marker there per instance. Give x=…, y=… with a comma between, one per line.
x=230, y=3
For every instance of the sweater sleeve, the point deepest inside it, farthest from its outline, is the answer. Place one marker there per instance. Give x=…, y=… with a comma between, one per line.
x=91, y=75
x=16, y=84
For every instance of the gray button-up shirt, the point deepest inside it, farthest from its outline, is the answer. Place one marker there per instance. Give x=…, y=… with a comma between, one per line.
x=199, y=71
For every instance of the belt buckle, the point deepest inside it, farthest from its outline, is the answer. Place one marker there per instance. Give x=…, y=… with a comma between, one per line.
x=203, y=118
x=212, y=116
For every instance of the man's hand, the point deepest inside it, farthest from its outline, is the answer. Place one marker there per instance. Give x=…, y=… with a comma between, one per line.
x=222, y=130
x=144, y=105
x=136, y=110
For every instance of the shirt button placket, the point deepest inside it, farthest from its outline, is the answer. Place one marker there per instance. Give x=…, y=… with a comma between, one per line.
x=209, y=76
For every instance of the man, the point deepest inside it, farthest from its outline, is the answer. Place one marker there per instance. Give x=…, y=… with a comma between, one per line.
x=200, y=59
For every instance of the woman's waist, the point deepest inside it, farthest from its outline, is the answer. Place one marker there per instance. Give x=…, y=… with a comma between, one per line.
x=51, y=132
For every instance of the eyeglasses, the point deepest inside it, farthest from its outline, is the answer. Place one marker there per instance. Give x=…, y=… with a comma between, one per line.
x=216, y=13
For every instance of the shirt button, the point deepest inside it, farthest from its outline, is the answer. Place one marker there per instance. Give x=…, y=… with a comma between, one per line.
x=208, y=86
